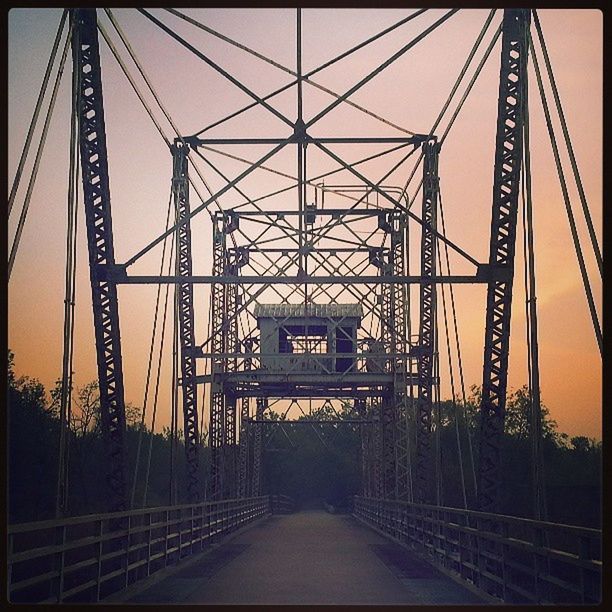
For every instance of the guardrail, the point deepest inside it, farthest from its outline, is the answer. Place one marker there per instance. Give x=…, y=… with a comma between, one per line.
x=513, y=559
x=282, y=504
x=87, y=558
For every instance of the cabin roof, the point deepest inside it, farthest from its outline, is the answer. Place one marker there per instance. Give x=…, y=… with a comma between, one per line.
x=319, y=311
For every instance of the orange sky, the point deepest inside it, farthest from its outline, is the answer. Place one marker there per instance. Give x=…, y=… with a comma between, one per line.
x=410, y=93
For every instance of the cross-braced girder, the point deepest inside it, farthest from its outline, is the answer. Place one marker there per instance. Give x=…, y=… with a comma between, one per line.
x=94, y=165
x=180, y=188
x=506, y=185
x=427, y=324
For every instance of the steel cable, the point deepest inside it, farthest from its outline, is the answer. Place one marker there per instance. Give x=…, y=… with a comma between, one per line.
x=452, y=383
x=41, y=146
x=540, y=511
x=150, y=360
x=69, y=306
x=304, y=78
x=568, y=207
x=568, y=144
x=38, y=106
x=459, y=358
x=458, y=80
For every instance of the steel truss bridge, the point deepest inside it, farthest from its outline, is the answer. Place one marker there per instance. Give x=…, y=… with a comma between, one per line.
x=334, y=281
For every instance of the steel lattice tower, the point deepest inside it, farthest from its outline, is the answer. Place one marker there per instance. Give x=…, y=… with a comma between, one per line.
x=506, y=185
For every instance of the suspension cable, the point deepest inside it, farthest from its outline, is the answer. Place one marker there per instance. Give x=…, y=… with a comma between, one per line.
x=459, y=358
x=288, y=70
x=158, y=374
x=452, y=383
x=456, y=85
x=315, y=71
x=436, y=408
x=150, y=360
x=39, y=101
x=455, y=114
x=154, y=94
x=568, y=144
x=538, y=481
x=69, y=306
x=566, y=199
x=41, y=146
x=157, y=99
x=216, y=67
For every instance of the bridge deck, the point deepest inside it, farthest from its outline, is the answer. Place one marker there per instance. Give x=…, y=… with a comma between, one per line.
x=311, y=557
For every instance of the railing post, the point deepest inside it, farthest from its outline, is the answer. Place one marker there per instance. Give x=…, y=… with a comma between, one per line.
x=167, y=515
x=538, y=565
x=149, y=514
x=583, y=553
x=127, y=550
x=9, y=572
x=99, y=566
x=504, y=550
x=191, y=530
x=60, y=582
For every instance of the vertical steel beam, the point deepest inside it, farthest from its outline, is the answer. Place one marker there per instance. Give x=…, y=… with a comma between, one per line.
x=506, y=183
x=180, y=188
x=361, y=411
x=217, y=398
x=94, y=166
x=245, y=437
x=262, y=404
x=230, y=332
x=399, y=347
x=427, y=327
x=387, y=405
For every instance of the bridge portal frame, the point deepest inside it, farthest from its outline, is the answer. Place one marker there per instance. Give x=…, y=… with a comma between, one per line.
x=106, y=274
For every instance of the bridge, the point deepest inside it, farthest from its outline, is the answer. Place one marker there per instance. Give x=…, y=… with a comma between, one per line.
x=309, y=304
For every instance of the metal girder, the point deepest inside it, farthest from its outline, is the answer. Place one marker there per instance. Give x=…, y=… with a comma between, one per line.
x=427, y=324
x=244, y=485
x=262, y=404
x=94, y=166
x=387, y=405
x=180, y=189
x=506, y=184
x=400, y=363
x=230, y=331
x=217, y=397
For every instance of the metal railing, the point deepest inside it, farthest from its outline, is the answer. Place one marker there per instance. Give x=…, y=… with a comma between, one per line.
x=513, y=559
x=282, y=504
x=87, y=558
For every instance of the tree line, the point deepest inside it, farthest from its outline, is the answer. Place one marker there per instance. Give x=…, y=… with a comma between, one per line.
x=306, y=462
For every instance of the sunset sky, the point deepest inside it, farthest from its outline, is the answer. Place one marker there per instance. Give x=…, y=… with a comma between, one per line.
x=410, y=93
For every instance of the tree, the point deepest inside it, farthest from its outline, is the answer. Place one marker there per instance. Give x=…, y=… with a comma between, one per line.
x=517, y=420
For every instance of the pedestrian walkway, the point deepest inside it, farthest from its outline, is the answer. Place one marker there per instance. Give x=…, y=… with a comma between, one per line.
x=310, y=557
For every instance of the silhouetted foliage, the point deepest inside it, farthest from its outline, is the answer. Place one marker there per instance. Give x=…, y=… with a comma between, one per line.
x=33, y=435
x=306, y=462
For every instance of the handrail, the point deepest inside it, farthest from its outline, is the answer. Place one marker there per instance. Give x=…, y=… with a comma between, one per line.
x=513, y=559
x=282, y=503
x=87, y=558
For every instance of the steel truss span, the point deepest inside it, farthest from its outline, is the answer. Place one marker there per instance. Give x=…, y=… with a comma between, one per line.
x=270, y=340
x=312, y=301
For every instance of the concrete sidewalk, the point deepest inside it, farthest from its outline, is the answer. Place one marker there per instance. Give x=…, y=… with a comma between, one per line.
x=308, y=558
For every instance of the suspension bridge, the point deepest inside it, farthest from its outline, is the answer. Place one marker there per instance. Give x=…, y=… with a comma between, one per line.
x=312, y=298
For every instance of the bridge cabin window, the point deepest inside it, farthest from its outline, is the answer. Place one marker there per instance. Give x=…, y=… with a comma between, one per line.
x=298, y=338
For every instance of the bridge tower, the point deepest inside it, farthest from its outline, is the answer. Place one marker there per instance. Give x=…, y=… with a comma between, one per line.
x=326, y=326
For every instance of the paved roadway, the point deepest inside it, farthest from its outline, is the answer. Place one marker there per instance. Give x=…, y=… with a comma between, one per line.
x=310, y=557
